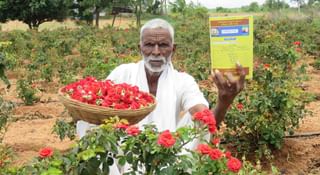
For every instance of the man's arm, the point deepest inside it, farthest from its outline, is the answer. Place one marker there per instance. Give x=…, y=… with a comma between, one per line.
x=228, y=89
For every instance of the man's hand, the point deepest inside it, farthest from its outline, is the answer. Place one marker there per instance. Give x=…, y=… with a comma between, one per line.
x=228, y=89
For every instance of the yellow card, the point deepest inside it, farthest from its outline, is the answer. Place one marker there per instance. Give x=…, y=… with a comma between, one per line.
x=231, y=41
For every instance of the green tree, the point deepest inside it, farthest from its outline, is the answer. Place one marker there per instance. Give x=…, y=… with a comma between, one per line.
x=89, y=9
x=313, y=2
x=253, y=7
x=179, y=6
x=275, y=4
x=153, y=6
x=138, y=10
x=82, y=12
x=34, y=12
x=223, y=10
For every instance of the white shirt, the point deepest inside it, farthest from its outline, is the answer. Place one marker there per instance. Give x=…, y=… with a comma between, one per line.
x=177, y=89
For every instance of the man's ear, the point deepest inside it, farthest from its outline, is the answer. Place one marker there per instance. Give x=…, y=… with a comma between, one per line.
x=174, y=49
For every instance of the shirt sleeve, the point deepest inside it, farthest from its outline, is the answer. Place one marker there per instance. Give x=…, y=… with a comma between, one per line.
x=191, y=94
x=119, y=74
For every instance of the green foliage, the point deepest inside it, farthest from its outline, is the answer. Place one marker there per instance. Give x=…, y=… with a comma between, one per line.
x=284, y=31
x=3, y=76
x=34, y=12
x=86, y=9
x=179, y=6
x=273, y=107
x=26, y=92
x=222, y=10
x=317, y=64
x=192, y=41
x=254, y=7
x=6, y=155
x=99, y=148
x=64, y=129
x=6, y=62
x=275, y=4
x=6, y=108
x=271, y=46
x=249, y=169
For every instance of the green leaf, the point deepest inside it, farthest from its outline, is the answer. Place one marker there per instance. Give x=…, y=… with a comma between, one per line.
x=56, y=163
x=87, y=154
x=122, y=161
x=52, y=171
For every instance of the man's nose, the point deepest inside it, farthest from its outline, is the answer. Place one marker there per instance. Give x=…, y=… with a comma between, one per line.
x=156, y=50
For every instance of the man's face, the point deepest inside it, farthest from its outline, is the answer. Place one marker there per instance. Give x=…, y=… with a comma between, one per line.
x=156, y=48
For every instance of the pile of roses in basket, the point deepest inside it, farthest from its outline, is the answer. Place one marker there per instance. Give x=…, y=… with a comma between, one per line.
x=108, y=94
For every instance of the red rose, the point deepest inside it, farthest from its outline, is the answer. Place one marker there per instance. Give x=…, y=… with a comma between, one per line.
x=228, y=154
x=166, y=139
x=234, y=164
x=240, y=106
x=216, y=141
x=212, y=128
x=46, y=152
x=266, y=66
x=198, y=116
x=135, y=105
x=133, y=130
x=204, y=149
x=215, y=154
x=297, y=43
x=209, y=119
x=121, y=126
x=206, y=116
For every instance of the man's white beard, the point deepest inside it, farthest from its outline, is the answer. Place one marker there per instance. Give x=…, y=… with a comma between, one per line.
x=152, y=69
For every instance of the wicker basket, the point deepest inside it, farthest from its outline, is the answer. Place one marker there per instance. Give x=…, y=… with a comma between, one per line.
x=96, y=114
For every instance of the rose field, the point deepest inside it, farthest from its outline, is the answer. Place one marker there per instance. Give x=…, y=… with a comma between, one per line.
x=272, y=127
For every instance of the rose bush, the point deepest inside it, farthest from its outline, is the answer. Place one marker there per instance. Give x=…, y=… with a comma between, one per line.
x=146, y=151
x=271, y=107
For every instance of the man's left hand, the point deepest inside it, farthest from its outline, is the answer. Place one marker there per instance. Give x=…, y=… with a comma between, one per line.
x=229, y=87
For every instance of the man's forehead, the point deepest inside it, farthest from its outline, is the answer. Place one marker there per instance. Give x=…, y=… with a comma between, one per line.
x=159, y=33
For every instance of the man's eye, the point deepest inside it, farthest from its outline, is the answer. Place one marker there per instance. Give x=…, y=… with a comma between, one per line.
x=149, y=45
x=163, y=45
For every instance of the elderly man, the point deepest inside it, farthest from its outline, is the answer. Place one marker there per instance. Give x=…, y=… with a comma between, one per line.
x=174, y=91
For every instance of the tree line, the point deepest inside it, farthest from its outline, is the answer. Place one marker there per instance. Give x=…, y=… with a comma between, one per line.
x=269, y=5
x=35, y=12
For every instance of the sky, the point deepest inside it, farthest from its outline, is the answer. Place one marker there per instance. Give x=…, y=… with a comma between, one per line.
x=228, y=3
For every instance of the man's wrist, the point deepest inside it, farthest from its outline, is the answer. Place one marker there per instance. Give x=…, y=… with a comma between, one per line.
x=220, y=111
x=224, y=103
